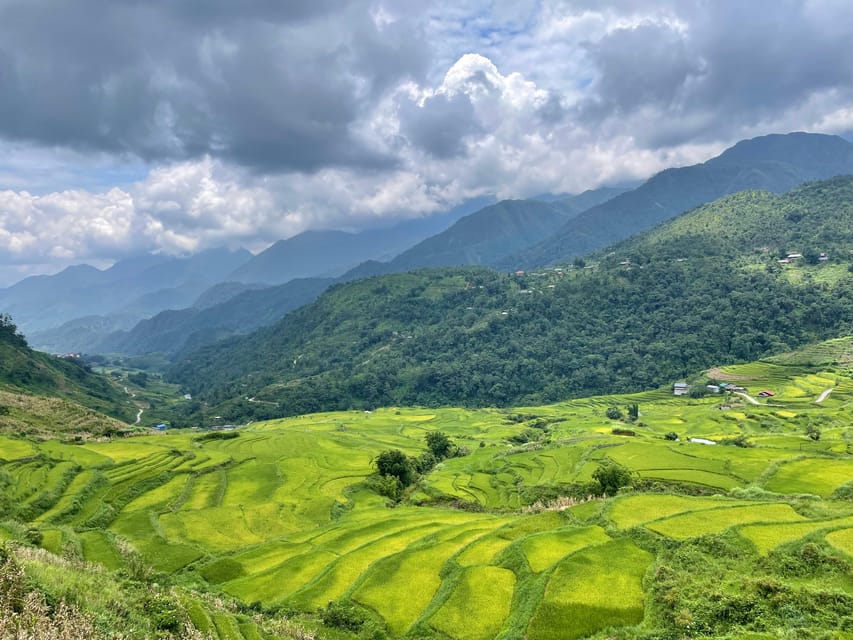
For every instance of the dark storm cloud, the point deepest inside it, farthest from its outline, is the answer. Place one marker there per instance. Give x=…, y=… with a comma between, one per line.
x=269, y=84
x=441, y=125
x=710, y=70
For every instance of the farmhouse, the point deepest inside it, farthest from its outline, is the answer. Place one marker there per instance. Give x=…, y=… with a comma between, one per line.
x=680, y=389
x=766, y=394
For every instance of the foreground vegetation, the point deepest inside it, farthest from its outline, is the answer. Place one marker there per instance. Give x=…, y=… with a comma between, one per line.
x=511, y=535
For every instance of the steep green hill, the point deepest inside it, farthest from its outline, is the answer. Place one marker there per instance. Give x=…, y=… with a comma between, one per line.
x=704, y=289
x=775, y=163
x=24, y=371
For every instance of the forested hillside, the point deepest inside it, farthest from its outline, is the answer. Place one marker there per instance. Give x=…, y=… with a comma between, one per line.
x=774, y=163
x=705, y=289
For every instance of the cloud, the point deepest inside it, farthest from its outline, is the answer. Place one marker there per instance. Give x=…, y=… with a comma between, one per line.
x=268, y=85
x=177, y=126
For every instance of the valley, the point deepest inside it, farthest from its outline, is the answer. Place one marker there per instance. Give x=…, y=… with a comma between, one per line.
x=512, y=539
x=650, y=441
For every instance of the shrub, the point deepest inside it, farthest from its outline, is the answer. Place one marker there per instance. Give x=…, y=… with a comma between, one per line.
x=439, y=444
x=611, y=477
x=342, y=616
x=613, y=413
x=397, y=464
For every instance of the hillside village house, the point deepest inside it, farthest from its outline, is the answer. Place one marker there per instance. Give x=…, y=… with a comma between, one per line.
x=680, y=389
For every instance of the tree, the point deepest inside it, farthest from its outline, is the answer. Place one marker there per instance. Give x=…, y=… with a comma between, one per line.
x=813, y=432
x=397, y=464
x=9, y=331
x=439, y=444
x=611, y=477
x=614, y=413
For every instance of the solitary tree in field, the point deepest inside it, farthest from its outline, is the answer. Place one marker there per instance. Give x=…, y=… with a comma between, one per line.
x=439, y=445
x=611, y=477
x=397, y=464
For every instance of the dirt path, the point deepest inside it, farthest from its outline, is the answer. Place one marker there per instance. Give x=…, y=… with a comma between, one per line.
x=139, y=416
x=824, y=395
x=747, y=397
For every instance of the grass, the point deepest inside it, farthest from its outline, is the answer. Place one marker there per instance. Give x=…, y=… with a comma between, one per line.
x=631, y=511
x=842, y=540
x=807, y=476
x=768, y=537
x=415, y=573
x=13, y=449
x=97, y=547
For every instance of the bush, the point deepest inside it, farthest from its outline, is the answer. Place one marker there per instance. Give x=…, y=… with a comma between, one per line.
x=611, y=477
x=388, y=486
x=439, y=445
x=342, y=616
x=613, y=413
x=672, y=435
x=397, y=464
x=622, y=432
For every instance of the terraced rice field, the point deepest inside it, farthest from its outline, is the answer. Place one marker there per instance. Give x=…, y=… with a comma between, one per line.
x=280, y=514
x=594, y=589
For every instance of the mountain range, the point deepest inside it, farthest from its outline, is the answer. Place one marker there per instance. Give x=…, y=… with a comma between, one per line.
x=702, y=289
x=776, y=163
x=509, y=235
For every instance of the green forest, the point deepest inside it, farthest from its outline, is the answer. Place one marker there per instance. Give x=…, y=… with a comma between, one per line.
x=704, y=289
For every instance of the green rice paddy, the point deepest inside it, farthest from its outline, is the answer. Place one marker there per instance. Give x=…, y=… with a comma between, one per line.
x=281, y=515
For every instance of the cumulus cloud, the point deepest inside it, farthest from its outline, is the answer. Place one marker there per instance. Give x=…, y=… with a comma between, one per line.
x=165, y=126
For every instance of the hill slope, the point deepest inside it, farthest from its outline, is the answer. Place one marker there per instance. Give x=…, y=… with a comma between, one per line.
x=481, y=237
x=24, y=371
x=699, y=290
x=775, y=163
x=752, y=540
x=489, y=235
x=314, y=254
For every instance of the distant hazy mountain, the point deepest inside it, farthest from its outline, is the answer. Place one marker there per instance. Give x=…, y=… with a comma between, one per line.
x=331, y=253
x=81, y=335
x=231, y=308
x=138, y=286
x=489, y=235
x=174, y=331
x=776, y=163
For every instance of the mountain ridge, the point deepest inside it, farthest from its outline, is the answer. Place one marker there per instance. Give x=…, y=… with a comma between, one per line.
x=776, y=162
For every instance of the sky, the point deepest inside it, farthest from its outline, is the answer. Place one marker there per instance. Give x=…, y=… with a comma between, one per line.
x=131, y=126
